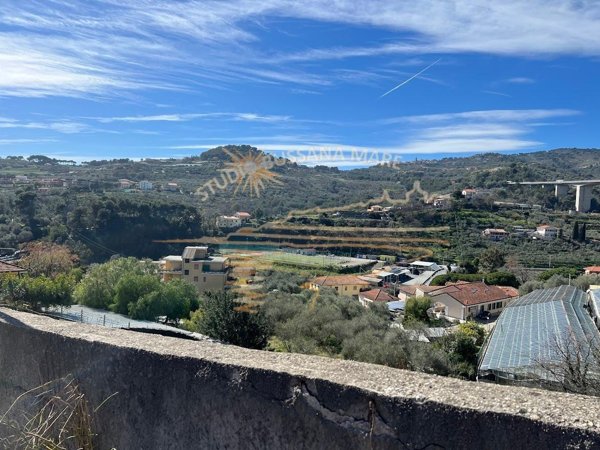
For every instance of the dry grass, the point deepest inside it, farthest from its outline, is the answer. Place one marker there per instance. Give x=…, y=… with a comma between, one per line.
x=53, y=416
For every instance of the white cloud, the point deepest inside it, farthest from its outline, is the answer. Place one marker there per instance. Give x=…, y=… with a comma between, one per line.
x=102, y=47
x=24, y=141
x=240, y=116
x=500, y=94
x=497, y=115
x=520, y=80
x=65, y=127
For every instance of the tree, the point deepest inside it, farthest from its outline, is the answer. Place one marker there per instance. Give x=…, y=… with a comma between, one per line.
x=98, y=287
x=491, y=259
x=583, y=232
x=48, y=259
x=38, y=292
x=416, y=308
x=219, y=317
x=173, y=300
x=462, y=347
x=575, y=234
x=572, y=363
x=130, y=289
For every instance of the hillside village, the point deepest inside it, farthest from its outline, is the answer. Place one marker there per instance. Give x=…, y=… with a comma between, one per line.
x=437, y=272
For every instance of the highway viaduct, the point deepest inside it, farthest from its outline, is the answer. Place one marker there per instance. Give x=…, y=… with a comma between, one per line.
x=583, y=190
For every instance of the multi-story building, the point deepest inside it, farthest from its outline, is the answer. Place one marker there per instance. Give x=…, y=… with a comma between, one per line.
x=196, y=266
x=145, y=185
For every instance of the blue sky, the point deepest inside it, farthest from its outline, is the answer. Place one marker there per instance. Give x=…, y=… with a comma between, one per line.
x=99, y=79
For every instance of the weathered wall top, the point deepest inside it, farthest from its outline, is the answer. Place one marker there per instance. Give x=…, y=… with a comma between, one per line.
x=174, y=393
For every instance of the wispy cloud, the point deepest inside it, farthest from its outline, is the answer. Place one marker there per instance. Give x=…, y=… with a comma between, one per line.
x=241, y=116
x=65, y=127
x=520, y=80
x=25, y=141
x=498, y=115
x=102, y=47
x=500, y=94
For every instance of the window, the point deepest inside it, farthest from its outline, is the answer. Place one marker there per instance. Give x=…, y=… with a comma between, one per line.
x=196, y=266
x=196, y=279
x=345, y=288
x=186, y=272
x=204, y=279
x=187, y=260
x=205, y=267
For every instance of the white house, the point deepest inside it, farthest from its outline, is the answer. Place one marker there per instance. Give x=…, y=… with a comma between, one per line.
x=495, y=234
x=243, y=216
x=229, y=222
x=463, y=300
x=547, y=232
x=145, y=185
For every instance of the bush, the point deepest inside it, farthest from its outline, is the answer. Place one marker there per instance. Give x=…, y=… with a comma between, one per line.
x=98, y=287
x=493, y=278
x=38, y=292
x=416, y=308
x=562, y=271
x=220, y=318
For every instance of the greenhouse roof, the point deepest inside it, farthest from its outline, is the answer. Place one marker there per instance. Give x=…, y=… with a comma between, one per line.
x=532, y=329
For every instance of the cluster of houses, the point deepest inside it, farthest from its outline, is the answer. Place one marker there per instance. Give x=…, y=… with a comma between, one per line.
x=458, y=301
x=43, y=185
x=545, y=232
x=145, y=185
x=526, y=329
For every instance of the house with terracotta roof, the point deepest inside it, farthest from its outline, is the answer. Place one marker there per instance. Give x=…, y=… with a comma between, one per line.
x=464, y=301
x=592, y=270
x=469, y=193
x=10, y=269
x=243, y=216
x=495, y=234
x=342, y=284
x=374, y=296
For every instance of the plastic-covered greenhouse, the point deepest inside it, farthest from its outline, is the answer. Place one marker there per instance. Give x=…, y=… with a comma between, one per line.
x=533, y=331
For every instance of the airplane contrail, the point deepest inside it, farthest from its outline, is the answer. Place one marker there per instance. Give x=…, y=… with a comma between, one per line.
x=412, y=78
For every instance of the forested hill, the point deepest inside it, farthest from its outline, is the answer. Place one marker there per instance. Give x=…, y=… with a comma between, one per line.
x=86, y=205
x=297, y=186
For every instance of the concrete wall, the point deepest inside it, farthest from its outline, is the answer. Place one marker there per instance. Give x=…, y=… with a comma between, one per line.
x=179, y=394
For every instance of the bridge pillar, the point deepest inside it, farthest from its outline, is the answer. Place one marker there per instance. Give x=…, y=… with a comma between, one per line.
x=583, y=198
x=560, y=190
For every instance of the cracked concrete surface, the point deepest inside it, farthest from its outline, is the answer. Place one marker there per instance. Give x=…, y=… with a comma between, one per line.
x=171, y=393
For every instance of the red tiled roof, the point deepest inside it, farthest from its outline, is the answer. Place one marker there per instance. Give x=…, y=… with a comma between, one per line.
x=339, y=280
x=10, y=268
x=473, y=293
x=377, y=295
x=510, y=291
x=593, y=269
